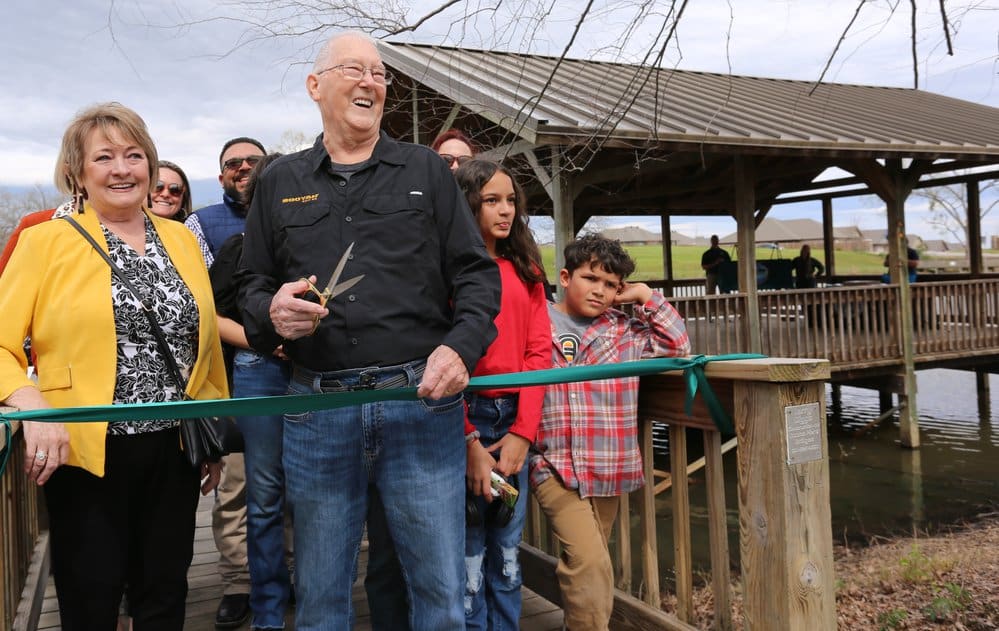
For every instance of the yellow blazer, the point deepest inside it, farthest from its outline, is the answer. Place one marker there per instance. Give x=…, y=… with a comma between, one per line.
x=57, y=289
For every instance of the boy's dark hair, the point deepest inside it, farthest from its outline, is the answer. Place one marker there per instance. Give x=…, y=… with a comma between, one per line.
x=593, y=249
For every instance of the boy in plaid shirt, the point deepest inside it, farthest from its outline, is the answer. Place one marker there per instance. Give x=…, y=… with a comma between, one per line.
x=586, y=453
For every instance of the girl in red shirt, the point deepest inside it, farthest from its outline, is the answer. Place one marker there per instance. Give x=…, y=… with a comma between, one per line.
x=505, y=421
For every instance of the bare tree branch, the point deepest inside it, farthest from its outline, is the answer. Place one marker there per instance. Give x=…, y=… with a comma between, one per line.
x=915, y=58
x=946, y=28
x=435, y=12
x=839, y=43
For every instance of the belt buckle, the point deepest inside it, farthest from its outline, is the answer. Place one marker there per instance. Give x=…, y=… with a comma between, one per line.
x=367, y=381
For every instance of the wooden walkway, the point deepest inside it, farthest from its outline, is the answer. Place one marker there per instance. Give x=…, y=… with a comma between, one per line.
x=205, y=590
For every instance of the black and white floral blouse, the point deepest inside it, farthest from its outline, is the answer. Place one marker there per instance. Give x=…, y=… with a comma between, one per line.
x=142, y=376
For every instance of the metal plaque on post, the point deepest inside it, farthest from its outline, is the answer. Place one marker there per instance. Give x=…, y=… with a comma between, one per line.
x=803, y=428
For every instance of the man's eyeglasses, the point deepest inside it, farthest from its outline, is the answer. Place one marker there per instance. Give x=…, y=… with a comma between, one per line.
x=355, y=72
x=447, y=157
x=174, y=189
x=232, y=164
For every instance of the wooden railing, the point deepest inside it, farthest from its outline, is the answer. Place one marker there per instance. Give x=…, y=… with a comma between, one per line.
x=785, y=532
x=716, y=324
x=18, y=531
x=680, y=287
x=956, y=316
x=852, y=326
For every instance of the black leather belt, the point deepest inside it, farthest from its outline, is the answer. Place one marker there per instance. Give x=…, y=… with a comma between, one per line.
x=370, y=378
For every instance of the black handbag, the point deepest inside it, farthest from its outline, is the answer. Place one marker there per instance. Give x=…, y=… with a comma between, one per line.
x=203, y=439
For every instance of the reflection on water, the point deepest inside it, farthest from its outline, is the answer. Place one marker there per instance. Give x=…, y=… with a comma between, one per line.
x=877, y=487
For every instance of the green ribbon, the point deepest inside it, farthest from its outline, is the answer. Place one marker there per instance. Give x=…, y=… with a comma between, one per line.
x=692, y=367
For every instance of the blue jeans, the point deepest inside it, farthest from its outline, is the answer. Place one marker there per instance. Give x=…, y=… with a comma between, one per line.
x=256, y=375
x=413, y=453
x=493, y=578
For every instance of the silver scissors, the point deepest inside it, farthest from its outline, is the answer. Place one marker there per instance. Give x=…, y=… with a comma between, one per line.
x=333, y=288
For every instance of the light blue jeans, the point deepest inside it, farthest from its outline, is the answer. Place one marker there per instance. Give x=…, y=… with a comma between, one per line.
x=413, y=452
x=256, y=375
x=493, y=578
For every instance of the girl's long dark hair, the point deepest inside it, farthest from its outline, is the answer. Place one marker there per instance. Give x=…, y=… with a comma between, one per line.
x=519, y=248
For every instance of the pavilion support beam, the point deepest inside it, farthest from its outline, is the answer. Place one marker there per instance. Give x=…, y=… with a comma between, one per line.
x=745, y=206
x=761, y=215
x=562, y=203
x=667, y=242
x=451, y=117
x=893, y=184
x=974, y=229
x=828, y=237
x=899, y=270
x=414, y=97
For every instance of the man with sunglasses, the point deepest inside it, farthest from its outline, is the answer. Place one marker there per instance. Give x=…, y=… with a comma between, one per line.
x=212, y=226
x=419, y=313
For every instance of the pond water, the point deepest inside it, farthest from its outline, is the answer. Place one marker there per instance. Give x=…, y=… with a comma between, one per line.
x=877, y=487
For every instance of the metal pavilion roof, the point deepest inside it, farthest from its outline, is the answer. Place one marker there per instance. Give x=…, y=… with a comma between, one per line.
x=549, y=102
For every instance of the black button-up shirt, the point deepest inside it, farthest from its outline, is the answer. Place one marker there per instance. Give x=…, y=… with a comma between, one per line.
x=428, y=279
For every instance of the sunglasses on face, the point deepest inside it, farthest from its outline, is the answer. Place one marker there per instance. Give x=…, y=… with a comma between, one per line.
x=447, y=157
x=233, y=164
x=174, y=189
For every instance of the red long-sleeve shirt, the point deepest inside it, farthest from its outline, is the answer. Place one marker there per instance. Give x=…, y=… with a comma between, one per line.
x=523, y=342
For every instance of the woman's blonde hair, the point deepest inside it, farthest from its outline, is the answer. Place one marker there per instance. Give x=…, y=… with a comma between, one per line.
x=107, y=117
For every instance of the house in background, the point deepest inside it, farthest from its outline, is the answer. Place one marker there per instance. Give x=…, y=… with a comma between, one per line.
x=632, y=235
x=791, y=234
x=636, y=235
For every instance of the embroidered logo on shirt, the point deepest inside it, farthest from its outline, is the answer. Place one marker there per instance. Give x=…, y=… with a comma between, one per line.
x=301, y=199
x=569, y=345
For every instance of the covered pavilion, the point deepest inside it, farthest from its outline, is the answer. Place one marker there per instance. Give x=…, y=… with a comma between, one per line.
x=601, y=138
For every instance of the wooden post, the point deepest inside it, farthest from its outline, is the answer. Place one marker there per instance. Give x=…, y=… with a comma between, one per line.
x=908, y=418
x=667, y=254
x=623, y=569
x=836, y=397
x=784, y=525
x=682, y=559
x=745, y=206
x=884, y=401
x=828, y=237
x=415, y=97
x=984, y=400
x=562, y=197
x=647, y=519
x=717, y=529
x=974, y=229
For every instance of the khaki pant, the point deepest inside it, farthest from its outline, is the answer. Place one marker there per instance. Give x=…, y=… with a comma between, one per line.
x=229, y=527
x=584, y=571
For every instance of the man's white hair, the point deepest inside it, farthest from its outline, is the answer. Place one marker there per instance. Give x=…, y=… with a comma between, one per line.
x=323, y=58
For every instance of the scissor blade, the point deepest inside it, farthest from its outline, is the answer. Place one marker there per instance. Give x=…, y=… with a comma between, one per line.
x=338, y=271
x=345, y=285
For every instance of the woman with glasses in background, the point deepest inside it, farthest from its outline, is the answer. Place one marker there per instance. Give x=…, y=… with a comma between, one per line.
x=454, y=147
x=171, y=195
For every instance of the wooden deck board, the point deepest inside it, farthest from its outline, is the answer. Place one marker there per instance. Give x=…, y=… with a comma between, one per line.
x=205, y=590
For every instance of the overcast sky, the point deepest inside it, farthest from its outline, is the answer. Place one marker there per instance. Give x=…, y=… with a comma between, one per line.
x=200, y=84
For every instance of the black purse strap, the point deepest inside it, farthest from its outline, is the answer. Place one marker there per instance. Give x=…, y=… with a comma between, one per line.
x=147, y=308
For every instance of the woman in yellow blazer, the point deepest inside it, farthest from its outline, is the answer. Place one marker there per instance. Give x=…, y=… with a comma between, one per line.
x=121, y=497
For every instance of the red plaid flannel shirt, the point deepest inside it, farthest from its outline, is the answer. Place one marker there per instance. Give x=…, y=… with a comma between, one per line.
x=589, y=434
